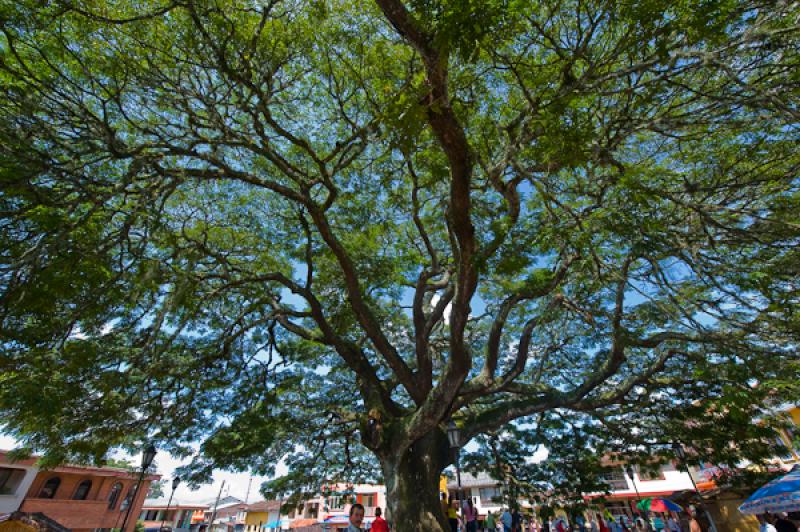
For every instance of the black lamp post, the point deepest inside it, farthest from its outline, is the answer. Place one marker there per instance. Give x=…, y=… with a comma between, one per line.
x=454, y=436
x=629, y=471
x=175, y=482
x=147, y=460
x=680, y=453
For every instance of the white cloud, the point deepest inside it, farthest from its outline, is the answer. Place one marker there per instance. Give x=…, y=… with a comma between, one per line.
x=540, y=455
x=447, y=310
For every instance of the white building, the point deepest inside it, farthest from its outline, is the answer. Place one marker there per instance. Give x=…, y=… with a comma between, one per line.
x=486, y=492
x=625, y=492
x=332, y=506
x=15, y=480
x=181, y=516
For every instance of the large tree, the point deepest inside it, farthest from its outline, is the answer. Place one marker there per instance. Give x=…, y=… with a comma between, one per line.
x=318, y=231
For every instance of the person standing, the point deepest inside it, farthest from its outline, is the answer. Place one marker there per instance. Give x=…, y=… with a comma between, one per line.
x=516, y=520
x=491, y=524
x=672, y=524
x=694, y=524
x=507, y=520
x=445, y=506
x=765, y=521
x=658, y=523
x=356, y=518
x=471, y=516
x=782, y=524
x=452, y=515
x=379, y=524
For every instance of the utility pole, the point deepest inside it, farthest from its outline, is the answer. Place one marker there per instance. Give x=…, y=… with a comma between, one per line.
x=214, y=513
x=247, y=495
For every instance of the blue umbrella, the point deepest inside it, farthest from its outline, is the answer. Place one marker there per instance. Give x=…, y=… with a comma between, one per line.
x=780, y=495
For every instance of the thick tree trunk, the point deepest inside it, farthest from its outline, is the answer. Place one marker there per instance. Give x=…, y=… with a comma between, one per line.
x=412, y=486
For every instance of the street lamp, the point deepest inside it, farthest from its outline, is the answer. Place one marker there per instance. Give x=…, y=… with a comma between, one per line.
x=629, y=471
x=147, y=460
x=454, y=436
x=680, y=452
x=175, y=482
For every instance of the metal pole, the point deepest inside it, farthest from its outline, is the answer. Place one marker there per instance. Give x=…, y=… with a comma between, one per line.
x=458, y=477
x=249, y=483
x=214, y=513
x=631, y=473
x=171, y=493
x=700, y=498
x=133, y=500
x=638, y=496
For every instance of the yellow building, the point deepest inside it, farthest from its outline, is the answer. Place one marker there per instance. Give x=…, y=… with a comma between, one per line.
x=789, y=438
x=262, y=515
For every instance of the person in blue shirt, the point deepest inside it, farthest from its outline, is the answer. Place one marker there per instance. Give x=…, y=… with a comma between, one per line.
x=507, y=520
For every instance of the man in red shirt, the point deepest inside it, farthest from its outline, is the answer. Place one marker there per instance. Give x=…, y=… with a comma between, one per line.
x=379, y=524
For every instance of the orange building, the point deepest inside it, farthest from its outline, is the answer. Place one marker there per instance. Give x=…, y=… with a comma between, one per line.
x=83, y=498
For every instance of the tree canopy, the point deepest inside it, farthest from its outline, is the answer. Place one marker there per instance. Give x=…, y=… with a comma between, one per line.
x=319, y=230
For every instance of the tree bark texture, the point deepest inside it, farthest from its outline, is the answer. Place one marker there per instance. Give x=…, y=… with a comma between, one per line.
x=412, y=485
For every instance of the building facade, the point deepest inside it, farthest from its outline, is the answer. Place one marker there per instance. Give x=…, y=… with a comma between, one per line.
x=486, y=492
x=177, y=515
x=225, y=515
x=81, y=498
x=262, y=515
x=626, y=491
x=15, y=481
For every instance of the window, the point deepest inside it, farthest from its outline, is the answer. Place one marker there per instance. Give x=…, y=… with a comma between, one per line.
x=489, y=496
x=615, y=479
x=10, y=479
x=368, y=500
x=83, y=491
x=49, y=489
x=128, y=499
x=617, y=509
x=335, y=502
x=312, y=510
x=651, y=473
x=113, y=495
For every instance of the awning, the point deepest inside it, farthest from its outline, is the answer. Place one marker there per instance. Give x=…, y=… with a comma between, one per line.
x=298, y=523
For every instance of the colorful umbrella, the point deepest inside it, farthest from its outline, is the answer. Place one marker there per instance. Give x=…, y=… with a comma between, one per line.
x=658, y=504
x=780, y=495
